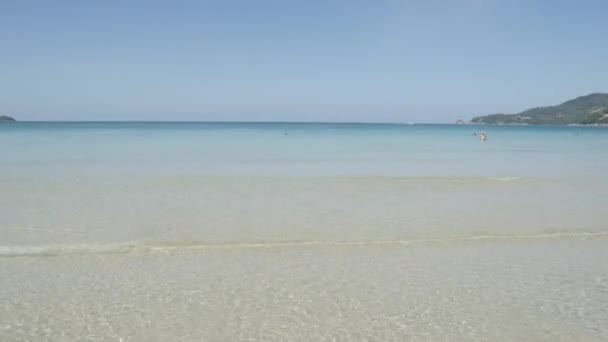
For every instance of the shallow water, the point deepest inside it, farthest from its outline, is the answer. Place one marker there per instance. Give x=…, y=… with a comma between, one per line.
x=549, y=289
x=170, y=231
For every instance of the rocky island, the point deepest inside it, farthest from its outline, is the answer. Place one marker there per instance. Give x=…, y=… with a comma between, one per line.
x=4, y=118
x=585, y=110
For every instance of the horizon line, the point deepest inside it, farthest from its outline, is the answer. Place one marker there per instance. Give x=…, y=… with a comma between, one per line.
x=240, y=121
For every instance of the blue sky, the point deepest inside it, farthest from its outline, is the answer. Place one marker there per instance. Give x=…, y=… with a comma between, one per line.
x=397, y=61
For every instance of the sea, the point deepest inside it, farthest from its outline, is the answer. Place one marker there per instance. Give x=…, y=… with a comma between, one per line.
x=190, y=231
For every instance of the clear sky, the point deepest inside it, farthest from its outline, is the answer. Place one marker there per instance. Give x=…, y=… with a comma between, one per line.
x=309, y=60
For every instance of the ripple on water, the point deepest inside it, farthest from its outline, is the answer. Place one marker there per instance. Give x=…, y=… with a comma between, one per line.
x=497, y=290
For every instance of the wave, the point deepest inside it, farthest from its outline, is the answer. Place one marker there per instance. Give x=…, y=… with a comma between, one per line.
x=58, y=250
x=169, y=246
x=460, y=179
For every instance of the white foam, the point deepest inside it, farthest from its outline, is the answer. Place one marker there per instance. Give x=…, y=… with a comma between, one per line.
x=60, y=250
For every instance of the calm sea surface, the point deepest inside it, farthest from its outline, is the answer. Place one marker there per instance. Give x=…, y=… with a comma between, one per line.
x=279, y=231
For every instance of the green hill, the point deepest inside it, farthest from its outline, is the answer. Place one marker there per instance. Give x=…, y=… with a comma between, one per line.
x=585, y=110
x=4, y=118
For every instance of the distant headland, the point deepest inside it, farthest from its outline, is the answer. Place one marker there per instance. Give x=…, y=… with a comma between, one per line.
x=4, y=118
x=585, y=110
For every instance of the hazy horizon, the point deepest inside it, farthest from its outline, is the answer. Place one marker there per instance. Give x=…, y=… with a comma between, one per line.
x=280, y=121
x=336, y=61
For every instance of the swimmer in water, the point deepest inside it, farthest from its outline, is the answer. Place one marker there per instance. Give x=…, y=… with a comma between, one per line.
x=483, y=136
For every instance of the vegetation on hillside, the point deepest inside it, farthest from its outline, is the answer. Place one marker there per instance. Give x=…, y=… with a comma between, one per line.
x=585, y=110
x=4, y=118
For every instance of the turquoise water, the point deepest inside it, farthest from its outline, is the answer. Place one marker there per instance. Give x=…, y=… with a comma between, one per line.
x=125, y=149
x=283, y=231
x=195, y=182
